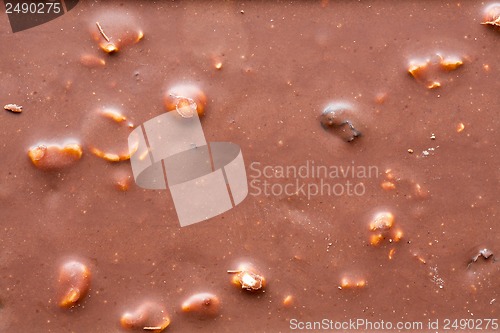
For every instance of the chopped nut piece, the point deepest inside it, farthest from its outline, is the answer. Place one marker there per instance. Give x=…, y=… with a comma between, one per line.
x=74, y=279
x=388, y=185
x=247, y=279
x=391, y=253
x=460, y=127
x=450, y=63
x=13, y=108
x=110, y=157
x=410, y=150
x=108, y=47
x=376, y=239
x=140, y=36
x=417, y=69
x=288, y=301
x=346, y=284
x=433, y=85
x=51, y=157
x=114, y=115
x=398, y=236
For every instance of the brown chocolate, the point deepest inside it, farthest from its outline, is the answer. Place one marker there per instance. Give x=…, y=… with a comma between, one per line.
x=418, y=79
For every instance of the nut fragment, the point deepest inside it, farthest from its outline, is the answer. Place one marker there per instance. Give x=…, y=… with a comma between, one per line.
x=13, y=108
x=53, y=157
x=114, y=115
x=388, y=185
x=248, y=279
x=204, y=304
x=417, y=69
x=123, y=184
x=74, y=281
x=347, y=283
x=450, y=63
x=433, y=85
x=288, y=301
x=108, y=47
x=376, y=239
x=148, y=316
x=398, y=235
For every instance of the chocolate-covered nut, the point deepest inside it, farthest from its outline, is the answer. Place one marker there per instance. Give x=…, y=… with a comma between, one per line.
x=149, y=316
x=203, y=304
x=347, y=283
x=73, y=283
x=492, y=15
x=55, y=157
x=185, y=99
x=337, y=116
x=382, y=221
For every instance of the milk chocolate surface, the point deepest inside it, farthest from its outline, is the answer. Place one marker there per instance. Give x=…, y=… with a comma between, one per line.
x=405, y=230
